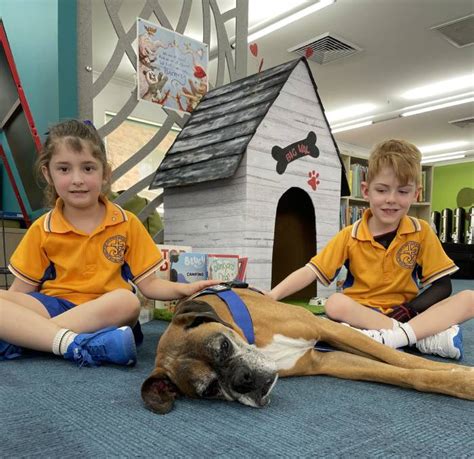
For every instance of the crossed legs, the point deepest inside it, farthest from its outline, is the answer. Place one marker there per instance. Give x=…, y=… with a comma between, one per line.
x=450, y=311
x=25, y=322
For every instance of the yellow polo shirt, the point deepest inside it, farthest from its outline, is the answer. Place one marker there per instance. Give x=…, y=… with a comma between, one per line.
x=64, y=262
x=379, y=277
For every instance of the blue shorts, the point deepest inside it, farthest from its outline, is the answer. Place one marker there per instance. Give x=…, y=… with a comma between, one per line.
x=56, y=306
x=53, y=305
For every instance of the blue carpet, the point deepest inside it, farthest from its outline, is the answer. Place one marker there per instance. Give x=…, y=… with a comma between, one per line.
x=50, y=408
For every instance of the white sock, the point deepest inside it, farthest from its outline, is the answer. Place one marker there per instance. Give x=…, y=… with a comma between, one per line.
x=410, y=333
x=399, y=336
x=62, y=340
x=396, y=324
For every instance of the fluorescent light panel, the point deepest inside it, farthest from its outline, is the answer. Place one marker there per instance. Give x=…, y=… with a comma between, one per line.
x=435, y=159
x=350, y=111
x=441, y=87
x=289, y=19
x=443, y=146
x=438, y=106
x=352, y=126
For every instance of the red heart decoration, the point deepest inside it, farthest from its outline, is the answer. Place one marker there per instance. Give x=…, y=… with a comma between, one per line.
x=308, y=52
x=254, y=49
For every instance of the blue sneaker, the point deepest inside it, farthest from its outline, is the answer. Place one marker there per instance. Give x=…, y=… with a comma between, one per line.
x=447, y=343
x=9, y=351
x=110, y=345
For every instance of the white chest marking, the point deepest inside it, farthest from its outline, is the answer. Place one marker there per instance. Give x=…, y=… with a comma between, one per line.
x=286, y=351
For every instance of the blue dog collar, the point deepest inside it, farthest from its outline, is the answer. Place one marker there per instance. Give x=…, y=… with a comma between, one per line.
x=237, y=309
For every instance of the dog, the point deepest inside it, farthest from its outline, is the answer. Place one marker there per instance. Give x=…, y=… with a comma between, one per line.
x=205, y=353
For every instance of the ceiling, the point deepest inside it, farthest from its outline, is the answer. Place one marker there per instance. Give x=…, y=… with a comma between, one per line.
x=399, y=52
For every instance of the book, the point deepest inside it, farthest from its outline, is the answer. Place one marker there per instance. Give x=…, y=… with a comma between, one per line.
x=223, y=267
x=188, y=267
x=169, y=252
x=242, y=268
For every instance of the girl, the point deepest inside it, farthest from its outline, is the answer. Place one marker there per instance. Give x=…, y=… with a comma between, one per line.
x=73, y=293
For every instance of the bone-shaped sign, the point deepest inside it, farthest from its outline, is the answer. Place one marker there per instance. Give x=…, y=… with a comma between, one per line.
x=300, y=149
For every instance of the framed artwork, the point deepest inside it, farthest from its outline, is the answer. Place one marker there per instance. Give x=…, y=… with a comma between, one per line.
x=171, y=68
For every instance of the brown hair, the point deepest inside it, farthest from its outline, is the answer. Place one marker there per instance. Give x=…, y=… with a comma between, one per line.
x=401, y=156
x=77, y=135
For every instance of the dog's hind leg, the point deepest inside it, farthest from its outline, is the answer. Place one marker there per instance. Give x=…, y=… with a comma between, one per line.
x=454, y=382
x=352, y=341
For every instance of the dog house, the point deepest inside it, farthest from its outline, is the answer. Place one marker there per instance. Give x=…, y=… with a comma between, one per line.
x=256, y=172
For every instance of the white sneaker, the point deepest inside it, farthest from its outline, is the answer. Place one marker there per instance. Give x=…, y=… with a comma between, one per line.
x=317, y=301
x=447, y=343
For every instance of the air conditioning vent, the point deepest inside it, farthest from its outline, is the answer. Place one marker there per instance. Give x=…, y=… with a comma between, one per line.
x=326, y=48
x=464, y=122
x=459, y=32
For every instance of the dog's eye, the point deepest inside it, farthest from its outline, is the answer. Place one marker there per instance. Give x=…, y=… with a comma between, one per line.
x=212, y=390
x=225, y=348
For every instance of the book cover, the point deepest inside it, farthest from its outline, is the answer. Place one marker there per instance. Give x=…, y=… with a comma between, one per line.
x=223, y=267
x=188, y=267
x=170, y=253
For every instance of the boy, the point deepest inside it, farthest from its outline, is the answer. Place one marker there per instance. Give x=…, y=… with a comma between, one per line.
x=385, y=253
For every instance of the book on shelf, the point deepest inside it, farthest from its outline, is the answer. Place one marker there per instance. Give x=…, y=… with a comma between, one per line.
x=351, y=213
x=359, y=173
x=422, y=197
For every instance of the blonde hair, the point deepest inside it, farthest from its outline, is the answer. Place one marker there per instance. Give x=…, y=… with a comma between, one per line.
x=401, y=156
x=77, y=135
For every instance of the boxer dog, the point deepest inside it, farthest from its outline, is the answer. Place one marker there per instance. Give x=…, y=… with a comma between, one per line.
x=204, y=353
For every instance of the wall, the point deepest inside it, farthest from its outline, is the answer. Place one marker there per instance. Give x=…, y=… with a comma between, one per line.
x=448, y=181
x=42, y=37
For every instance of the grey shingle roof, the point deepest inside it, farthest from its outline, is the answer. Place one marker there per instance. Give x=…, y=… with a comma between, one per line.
x=213, y=141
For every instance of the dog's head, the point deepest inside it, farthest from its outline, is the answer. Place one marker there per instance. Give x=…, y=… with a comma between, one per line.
x=200, y=356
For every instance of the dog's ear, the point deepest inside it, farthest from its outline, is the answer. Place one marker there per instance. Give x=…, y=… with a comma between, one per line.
x=159, y=392
x=190, y=314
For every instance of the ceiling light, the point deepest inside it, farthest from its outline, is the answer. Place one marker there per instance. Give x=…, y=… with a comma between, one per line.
x=349, y=112
x=442, y=87
x=352, y=126
x=288, y=20
x=438, y=106
x=443, y=146
x=434, y=159
x=259, y=12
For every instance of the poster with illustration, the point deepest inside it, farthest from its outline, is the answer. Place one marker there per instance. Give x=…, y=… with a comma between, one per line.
x=171, y=68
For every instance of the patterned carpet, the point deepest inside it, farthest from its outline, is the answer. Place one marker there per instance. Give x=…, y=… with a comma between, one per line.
x=50, y=408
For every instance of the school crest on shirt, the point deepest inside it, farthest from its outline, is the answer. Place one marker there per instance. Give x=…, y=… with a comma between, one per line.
x=407, y=254
x=114, y=248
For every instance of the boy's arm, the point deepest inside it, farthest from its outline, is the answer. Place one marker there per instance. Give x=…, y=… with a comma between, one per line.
x=437, y=291
x=296, y=281
x=161, y=289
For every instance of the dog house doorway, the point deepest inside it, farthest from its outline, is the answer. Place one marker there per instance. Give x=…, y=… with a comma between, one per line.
x=294, y=241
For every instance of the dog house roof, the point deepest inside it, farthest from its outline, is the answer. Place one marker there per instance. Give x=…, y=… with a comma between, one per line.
x=215, y=138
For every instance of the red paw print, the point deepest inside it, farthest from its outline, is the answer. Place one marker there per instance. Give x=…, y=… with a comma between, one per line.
x=313, y=181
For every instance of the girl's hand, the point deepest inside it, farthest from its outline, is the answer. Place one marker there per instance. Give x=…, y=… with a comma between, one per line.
x=194, y=287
